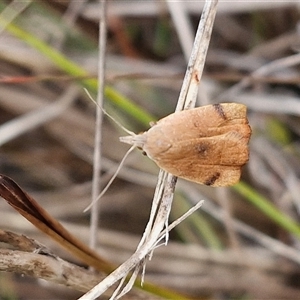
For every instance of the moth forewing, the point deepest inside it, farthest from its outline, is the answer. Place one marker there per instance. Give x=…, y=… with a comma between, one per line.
x=208, y=144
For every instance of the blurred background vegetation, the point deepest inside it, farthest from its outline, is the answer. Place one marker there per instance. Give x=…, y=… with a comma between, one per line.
x=244, y=242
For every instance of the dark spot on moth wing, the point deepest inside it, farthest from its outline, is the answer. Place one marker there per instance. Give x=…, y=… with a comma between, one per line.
x=202, y=149
x=211, y=180
x=222, y=176
x=219, y=109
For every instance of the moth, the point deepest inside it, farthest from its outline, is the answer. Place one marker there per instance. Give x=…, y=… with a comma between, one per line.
x=207, y=145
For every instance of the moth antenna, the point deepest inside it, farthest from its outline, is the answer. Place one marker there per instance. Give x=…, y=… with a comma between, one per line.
x=112, y=179
x=106, y=113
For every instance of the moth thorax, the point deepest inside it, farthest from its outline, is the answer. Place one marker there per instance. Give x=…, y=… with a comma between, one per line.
x=138, y=140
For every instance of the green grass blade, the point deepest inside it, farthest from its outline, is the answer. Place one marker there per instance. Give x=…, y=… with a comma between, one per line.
x=265, y=206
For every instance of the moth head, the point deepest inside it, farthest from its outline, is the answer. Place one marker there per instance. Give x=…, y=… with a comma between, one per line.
x=137, y=140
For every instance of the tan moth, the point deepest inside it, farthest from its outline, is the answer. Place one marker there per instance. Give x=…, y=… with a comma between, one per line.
x=207, y=145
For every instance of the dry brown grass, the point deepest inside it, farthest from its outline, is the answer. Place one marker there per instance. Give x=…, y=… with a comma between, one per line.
x=248, y=254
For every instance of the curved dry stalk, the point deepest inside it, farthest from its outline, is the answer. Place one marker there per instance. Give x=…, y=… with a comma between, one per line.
x=38, y=117
x=264, y=70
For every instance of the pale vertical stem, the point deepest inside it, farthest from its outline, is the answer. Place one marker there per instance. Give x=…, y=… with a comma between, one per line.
x=96, y=185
